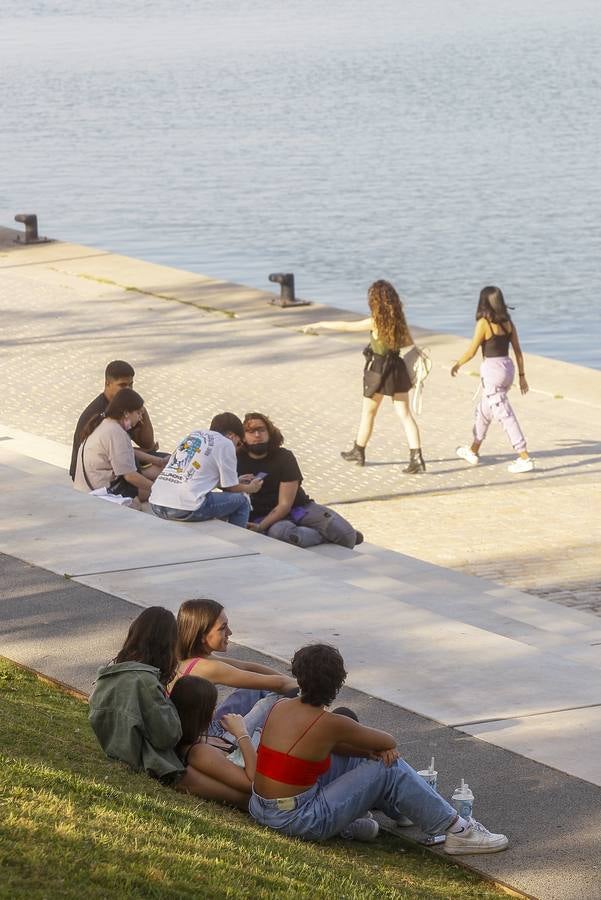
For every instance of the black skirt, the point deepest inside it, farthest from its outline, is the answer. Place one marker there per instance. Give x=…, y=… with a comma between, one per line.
x=386, y=374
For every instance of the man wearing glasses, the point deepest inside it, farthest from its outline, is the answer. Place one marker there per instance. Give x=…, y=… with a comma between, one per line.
x=282, y=509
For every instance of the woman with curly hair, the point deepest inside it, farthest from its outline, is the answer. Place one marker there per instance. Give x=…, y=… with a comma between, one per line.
x=385, y=373
x=319, y=774
x=494, y=333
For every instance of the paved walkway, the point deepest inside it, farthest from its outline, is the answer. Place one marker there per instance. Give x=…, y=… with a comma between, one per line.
x=517, y=672
x=65, y=628
x=201, y=345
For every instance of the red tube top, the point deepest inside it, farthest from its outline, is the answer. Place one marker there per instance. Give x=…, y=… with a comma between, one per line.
x=290, y=769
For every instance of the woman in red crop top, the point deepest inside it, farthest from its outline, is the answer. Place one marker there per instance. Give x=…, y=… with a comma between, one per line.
x=494, y=333
x=319, y=774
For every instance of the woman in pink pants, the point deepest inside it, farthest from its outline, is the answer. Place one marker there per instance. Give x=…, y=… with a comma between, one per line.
x=494, y=333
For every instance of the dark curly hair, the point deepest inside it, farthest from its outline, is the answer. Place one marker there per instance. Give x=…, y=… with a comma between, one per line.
x=388, y=316
x=151, y=639
x=276, y=438
x=195, y=700
x=319, y=670
x=194, y=619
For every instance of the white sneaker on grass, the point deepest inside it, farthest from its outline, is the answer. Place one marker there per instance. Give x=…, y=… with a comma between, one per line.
x=521, y=465
x=475, y=839
x=364, y=829
x=468, y=455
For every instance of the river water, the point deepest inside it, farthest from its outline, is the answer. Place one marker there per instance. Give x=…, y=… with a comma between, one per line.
x=442, y=144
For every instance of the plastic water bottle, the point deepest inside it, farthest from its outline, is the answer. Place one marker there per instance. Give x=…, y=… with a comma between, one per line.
x=463, y=800
x=430, y=775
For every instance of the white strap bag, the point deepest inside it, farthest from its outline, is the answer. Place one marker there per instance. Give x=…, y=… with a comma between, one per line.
x=419, y=365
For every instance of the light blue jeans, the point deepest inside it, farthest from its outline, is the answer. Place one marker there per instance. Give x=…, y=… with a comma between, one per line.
x=350, y=788
x=253, y=705
x=234, y=508
x=241, y=701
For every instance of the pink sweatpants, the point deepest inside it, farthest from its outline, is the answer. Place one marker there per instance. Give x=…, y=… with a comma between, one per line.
x=496, y=374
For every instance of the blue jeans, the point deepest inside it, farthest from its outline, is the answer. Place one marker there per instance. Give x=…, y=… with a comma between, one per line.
x=350, y=788
x=241, y=701
x=232, y=507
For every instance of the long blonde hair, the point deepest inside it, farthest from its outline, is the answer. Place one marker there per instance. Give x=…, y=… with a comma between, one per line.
x=387, y=313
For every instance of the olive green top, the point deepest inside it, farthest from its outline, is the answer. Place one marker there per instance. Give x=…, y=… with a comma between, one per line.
x=134, y=720
x=380, y=347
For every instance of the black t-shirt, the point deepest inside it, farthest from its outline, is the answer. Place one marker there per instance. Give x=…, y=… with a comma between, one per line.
x=280, y=466
x=96, y=406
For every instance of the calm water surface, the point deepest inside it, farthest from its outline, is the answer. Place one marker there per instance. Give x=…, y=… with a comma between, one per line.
x=443, y=145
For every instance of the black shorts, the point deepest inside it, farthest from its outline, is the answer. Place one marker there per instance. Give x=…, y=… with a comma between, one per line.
x=386, y=375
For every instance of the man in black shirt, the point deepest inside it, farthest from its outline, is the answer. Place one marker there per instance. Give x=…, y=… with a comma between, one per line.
x=282, y=509
x=118, y=375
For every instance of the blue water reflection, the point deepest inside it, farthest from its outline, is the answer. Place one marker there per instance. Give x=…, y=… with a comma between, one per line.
x=441, y=145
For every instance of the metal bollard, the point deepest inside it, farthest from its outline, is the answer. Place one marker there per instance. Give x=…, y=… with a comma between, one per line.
x=286, y=282
x=31, y=229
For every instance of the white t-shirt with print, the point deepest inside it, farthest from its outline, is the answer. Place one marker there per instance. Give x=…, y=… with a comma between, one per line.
x=202, y=461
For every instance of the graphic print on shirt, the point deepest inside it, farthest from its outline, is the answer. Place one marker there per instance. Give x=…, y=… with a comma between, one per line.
x=186, y=461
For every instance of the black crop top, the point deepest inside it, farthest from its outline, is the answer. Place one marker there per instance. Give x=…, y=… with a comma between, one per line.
x=497, y=345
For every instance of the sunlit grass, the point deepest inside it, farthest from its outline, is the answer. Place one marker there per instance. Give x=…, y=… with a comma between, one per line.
x=74, y=825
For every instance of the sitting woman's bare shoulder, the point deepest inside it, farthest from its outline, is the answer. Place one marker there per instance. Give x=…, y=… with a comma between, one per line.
x=219, y=671
x=193, y=666
x=203, y=754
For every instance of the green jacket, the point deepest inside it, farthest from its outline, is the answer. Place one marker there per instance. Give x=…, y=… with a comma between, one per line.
x=134, y=719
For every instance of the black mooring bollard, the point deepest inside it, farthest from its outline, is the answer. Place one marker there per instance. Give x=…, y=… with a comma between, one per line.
x=31, y=229
x=286, y=282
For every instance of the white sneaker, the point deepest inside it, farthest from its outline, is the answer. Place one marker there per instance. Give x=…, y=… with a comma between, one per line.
x=363, y=829
x=475, y=839
x=468, y=455
x=521, y=465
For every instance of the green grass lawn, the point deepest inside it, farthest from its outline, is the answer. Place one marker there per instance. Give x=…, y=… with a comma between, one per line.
x=76, y=825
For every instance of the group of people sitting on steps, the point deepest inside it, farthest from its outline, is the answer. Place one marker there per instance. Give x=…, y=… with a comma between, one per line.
x=273, y=747
x=260, y=480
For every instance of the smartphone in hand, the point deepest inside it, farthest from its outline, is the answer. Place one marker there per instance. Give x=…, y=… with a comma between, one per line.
x=262, y=475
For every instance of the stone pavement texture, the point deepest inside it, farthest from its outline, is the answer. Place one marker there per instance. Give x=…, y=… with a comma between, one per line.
x=517, y=671
x=69, y=309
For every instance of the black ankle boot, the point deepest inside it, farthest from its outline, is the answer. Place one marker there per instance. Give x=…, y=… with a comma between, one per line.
x=416, y=462
x=357, y=454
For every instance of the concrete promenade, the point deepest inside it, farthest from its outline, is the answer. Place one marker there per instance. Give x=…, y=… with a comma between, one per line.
x=69, y=309
x=502, y=684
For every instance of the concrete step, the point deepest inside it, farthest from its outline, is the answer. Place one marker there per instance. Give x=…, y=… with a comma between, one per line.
x=456, y=649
